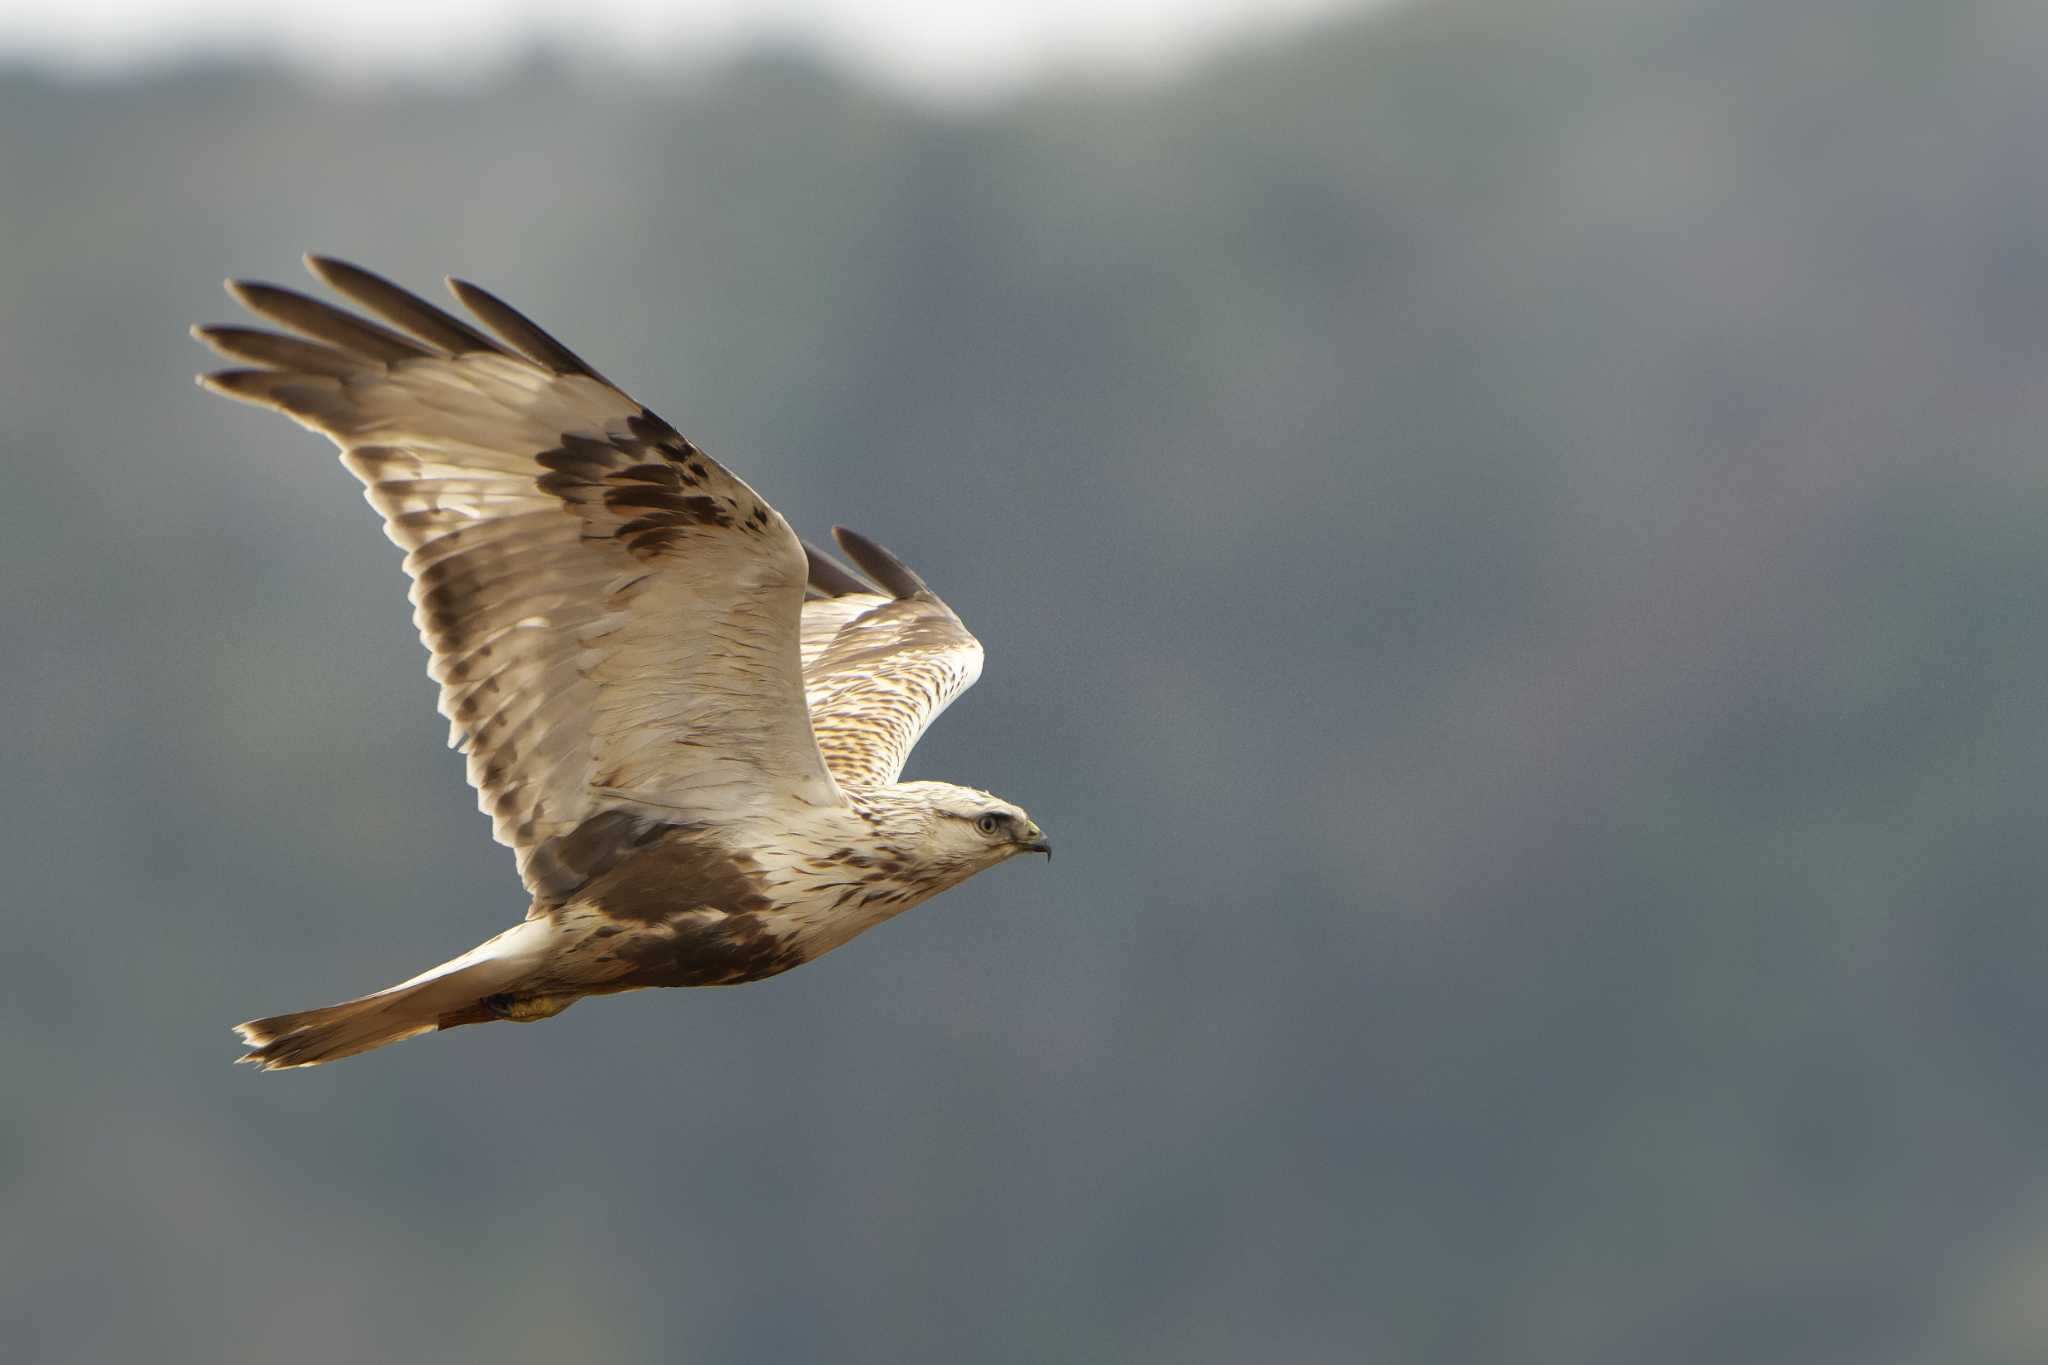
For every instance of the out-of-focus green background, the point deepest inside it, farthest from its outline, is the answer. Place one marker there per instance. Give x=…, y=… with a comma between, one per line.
x=1512, y=539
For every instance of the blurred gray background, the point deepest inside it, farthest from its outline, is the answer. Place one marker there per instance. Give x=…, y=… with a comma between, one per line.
x=1511, y=536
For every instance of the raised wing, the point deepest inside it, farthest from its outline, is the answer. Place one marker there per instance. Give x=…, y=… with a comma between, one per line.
x=880, y=663
x=612, y=615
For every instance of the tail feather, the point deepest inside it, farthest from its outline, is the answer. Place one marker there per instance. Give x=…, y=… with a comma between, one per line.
x=448, y=996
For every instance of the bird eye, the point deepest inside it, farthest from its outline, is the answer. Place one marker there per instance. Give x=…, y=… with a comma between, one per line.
x=989, y=823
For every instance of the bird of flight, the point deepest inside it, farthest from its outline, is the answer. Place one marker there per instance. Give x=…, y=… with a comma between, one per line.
x=687, y=723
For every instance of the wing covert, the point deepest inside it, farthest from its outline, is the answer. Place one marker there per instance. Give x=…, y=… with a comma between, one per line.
x=879, y=664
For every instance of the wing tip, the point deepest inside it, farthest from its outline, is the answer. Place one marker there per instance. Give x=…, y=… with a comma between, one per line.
x=524, y=335
x=830, y=577
x=324, y=267
x=474, y=297
x=878, y=562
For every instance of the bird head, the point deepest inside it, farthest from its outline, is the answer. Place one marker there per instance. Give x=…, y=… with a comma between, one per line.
x=972, y=829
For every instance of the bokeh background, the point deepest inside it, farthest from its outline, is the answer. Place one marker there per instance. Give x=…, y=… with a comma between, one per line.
x=1512, y=539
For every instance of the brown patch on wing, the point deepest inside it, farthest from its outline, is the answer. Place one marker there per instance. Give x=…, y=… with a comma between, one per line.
x=641, y=488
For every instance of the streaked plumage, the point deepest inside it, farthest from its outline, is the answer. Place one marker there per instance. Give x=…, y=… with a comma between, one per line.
x=687, y=724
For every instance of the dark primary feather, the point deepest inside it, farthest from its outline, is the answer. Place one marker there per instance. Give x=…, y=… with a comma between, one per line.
x=830, y=577
x=284, y=390
x=325, y=322
x=277, y=352
x=879, y=564
x=513, y=325
x=401, y=307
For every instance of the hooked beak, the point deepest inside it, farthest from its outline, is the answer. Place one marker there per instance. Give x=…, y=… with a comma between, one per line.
x=1034, y=841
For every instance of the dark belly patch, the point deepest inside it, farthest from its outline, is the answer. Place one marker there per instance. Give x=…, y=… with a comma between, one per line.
x=675, y=908
x=706, y=948
x=675, y=869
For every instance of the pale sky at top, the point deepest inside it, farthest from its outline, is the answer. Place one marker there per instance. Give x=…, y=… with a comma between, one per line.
x=949, y=49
